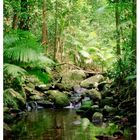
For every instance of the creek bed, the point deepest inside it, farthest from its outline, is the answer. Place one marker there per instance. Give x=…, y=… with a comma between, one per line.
x=53, y=124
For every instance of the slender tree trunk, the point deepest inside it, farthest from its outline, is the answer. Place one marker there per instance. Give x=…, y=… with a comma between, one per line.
x=56, y=30
x=15, y=20
x=44, y=26
x=24, y=19
x=117, y=16
x=133, y=46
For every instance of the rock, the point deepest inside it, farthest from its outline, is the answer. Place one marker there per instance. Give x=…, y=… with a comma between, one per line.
x=101, y=85
x=85, y=123
x=94, y=94
x=45, y=104
x=43, y=87
x=109, y=110
x=33, y=80
x=33, y=94
x=13, y=99
x=31, y=105
x=95, y=108
x=97, y=118
x=72, y=78
x=29, y=92
x=92, y=82
x=79, y=90
x=35, y=97
x=59, y=98
x=63, y=87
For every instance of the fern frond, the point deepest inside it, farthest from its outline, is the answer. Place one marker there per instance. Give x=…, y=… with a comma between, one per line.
x=13, y=70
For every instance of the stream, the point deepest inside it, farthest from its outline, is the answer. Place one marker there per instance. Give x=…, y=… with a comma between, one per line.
x=52, y=124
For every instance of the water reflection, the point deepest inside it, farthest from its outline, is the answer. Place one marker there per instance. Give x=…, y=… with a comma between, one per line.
x=52, y=125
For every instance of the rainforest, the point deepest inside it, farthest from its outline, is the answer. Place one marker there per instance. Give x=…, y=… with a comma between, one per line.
x=69, y=69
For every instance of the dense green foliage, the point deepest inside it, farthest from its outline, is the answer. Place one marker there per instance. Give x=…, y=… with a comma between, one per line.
x=45, y=38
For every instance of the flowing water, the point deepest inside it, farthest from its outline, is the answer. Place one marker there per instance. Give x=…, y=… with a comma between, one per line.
x=52, y=124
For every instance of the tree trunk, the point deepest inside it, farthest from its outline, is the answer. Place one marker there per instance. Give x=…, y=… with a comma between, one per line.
x=133, y=46
x=15, y=20
x=56, y=31
x=24, y=19
x=117, y=16
x=44, y=26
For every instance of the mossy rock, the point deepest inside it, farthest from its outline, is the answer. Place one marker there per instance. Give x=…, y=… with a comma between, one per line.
x=92, y=82
x=35, y=97
x=97, y=118
x=95, y=108
x=109, y=109
x=60, y=99
x=13, y=99
x=94, y=94
x=72, y=78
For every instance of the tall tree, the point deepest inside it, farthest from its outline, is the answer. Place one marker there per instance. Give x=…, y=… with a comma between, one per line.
x=24, y=19
x=134, y=26
x=56, y=30
x=44, y=26
x=15, y=19
x=117, y=16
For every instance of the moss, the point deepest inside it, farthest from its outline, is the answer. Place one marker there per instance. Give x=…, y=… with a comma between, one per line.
x=60, y=99
x=13, y=99
x=94, y=94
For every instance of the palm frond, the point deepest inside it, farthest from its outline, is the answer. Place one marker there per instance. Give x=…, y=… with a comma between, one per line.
x=13, y=70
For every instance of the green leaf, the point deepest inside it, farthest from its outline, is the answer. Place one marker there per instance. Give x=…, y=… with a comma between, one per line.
x=13, y=70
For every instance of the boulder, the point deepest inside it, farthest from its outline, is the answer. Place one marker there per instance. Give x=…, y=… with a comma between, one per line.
x=35, y=97
x=92, y=82
x=43, y=87
x=95, y=108
x=97, y=118
x=32, y=94
x=109, y=110
x=94, y=94
x=72, y=78
x=45, y=104
x=60, y=99
x=79, y=90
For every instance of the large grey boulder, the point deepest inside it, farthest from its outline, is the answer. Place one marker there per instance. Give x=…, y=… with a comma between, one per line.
x=92, y=82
